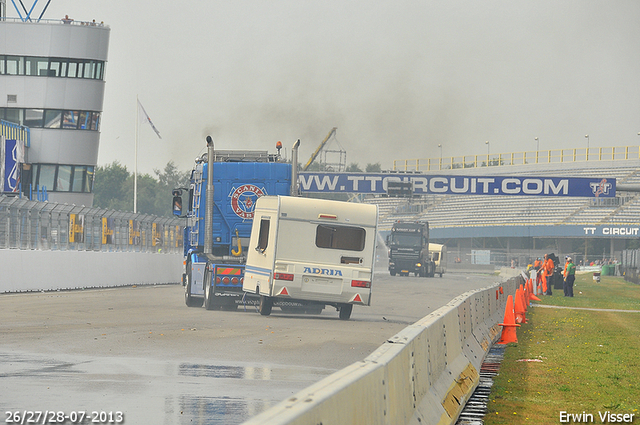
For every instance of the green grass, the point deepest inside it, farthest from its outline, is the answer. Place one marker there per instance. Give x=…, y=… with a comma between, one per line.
x=590, y=359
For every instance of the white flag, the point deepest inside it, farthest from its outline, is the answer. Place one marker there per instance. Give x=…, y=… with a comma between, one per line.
x=146, y=117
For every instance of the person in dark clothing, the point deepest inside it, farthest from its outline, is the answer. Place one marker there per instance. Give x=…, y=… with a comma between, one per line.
x=569, y=278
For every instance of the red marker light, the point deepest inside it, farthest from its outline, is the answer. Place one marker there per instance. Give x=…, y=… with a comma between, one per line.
x=360, y=284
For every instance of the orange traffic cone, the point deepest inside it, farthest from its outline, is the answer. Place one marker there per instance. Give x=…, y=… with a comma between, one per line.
x=509, y=326
x=520, y=309
x=526, y=295
x=532, y=294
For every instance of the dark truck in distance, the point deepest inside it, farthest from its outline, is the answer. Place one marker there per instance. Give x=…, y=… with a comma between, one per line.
x=408, y=246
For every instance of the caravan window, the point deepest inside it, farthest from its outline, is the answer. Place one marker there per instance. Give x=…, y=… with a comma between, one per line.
x=340, y=237
x=263, y=237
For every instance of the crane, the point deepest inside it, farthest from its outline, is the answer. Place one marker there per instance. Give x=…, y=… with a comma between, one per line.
x=319, y=148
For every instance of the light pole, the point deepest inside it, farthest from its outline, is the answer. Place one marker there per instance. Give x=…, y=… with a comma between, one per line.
x=440, y=166
x=487, y=143
x=537, y=144
x=586, y=136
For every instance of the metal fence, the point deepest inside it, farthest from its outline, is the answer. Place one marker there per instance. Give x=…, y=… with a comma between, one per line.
x=26, y=224
x=553, y=156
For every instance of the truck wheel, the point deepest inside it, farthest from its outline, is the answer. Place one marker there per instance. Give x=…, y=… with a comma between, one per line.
x=190, y=300
x=209, y=291
x=345, y=311
x=266, y=304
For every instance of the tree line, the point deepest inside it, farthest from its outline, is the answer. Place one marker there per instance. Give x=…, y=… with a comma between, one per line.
x=113, y=188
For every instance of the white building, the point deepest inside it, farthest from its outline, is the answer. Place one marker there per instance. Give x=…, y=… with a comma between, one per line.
x=52, y=80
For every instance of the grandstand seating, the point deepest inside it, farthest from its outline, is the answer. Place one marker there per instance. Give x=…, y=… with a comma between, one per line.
x=482, y=210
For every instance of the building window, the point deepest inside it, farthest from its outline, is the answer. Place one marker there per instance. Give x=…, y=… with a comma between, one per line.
x=52, y=118
x=37, y=66
x=70, y=120
x=34, y=118
x=15, y=65
x=88, y=181
x=78, y=178
x=14, y=115
x=63, y=178
x=51, y=67
x=63, y=182
x=46, y=176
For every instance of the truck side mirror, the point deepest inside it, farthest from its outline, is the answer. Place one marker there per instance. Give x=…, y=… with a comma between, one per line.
x=177, y=203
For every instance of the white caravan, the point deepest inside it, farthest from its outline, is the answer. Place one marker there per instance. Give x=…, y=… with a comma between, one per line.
x=436, y=252
x=315, y=251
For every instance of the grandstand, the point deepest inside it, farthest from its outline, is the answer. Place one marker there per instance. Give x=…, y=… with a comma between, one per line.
x=529, y=225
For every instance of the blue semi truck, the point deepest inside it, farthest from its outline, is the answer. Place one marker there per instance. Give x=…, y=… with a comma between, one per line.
x=222, y=193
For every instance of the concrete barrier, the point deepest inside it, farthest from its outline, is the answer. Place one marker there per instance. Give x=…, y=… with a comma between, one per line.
x=36, y=270
x=422, y=375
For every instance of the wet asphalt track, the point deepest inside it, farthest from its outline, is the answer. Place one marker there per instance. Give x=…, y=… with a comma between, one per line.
x=142, y=352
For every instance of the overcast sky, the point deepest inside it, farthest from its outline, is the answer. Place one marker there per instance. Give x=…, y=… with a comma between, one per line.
x=396, y=78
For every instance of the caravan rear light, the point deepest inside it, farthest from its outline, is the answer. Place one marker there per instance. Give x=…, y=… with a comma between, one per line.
x=226, y=280
x=234, y=280
x=218, y=280
x=283, y=276
x=361, y=284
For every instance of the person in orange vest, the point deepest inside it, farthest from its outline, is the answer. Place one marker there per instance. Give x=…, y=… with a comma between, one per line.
x=537, y=264
x=548, y=267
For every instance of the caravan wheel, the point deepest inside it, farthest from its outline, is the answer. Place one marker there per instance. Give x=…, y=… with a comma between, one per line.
x=345, y=311
x=266, y=304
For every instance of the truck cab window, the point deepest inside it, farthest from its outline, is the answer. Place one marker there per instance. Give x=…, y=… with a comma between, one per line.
x=263, y=238
x=407, y=239
x=340, y=237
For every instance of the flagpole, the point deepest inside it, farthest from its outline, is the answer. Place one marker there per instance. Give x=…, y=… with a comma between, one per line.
x=135, y=160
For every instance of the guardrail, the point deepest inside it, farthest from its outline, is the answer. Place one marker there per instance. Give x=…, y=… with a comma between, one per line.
x=552, y=156
x=424, y=374
x=26, y=224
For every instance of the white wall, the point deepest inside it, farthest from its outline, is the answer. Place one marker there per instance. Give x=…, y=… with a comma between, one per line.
x=22, y=270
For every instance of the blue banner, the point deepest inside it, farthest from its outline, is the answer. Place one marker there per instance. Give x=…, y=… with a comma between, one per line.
x=459, y=185
x=10, y=167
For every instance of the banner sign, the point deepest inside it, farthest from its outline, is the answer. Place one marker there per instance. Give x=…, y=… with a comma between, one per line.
x=11, y=155
x=134, y=232
x=620, y=231
x=108, y=224
x=76, y=228
x=459, y=185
